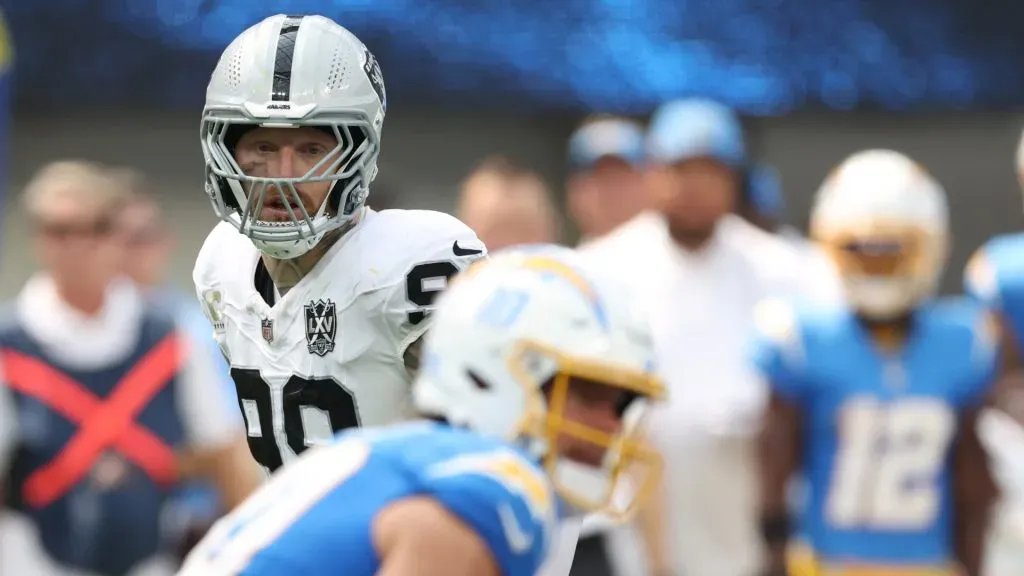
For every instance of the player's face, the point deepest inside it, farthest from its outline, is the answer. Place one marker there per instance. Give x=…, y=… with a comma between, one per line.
x=694, y=194
x=287, y=153
x=880, y=252
x=879, y=257
x=595, y=406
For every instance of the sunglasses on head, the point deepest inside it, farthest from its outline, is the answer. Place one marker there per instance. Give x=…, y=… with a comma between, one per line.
x=64, y=230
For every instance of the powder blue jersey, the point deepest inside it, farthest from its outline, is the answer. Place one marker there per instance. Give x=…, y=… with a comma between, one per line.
x=995, y=277
x=878, y=428
x=314, y=517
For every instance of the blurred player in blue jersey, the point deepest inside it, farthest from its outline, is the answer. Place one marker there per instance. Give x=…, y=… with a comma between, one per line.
x=876, y=404
x=535, y=375
x=995, y=276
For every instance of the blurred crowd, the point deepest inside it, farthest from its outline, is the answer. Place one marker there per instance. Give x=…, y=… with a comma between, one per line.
x=678, y=208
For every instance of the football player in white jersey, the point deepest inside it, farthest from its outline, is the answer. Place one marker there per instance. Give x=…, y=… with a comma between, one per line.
x=535, y=361
x=317, y=301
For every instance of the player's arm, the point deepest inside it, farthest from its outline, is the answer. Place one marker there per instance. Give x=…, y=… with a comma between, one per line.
x=217, y=449
x=981, y=281
x=408, y=303
x=420, y=536
x=975, y=492
x=779, y=459
x=777, y=349
x=506, y=501
x=1007, y=394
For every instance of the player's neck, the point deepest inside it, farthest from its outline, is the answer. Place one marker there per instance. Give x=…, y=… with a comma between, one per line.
x=87, y=297
x=693, y=241
x=287, y=273
x=889, y=335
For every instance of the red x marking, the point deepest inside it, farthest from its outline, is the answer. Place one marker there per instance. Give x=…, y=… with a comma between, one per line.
x=102, y=423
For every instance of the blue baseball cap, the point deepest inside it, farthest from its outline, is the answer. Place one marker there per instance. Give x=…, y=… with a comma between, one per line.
x=764, y=191
x=696, y=128
x=607, y=137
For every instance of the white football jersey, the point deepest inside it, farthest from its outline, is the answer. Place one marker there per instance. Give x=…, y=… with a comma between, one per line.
x=328, y=354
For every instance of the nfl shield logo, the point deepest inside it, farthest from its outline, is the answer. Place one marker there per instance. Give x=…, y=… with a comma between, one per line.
x=321, y=327
x=268, y=329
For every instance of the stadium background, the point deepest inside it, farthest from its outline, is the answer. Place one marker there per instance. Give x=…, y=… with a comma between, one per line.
x=122, y=82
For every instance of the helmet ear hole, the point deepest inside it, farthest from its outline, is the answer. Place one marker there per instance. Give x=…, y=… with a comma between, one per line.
x=479, y=382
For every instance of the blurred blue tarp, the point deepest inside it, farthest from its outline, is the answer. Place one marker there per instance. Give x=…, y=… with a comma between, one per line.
x=761, y=56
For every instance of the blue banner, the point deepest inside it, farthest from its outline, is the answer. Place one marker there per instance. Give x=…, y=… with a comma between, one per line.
x=762, y=57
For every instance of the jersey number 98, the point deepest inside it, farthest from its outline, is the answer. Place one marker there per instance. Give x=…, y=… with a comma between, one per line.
x=889, y=463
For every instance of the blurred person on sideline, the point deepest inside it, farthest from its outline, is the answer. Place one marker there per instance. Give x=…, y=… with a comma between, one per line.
x=605, y=187
x=106, y=405
x=149, y=244
x=702, y=269
x=994, y=276
x=507, y=205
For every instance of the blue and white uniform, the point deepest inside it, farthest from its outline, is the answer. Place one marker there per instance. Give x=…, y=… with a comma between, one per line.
x=315, y=517
x=878, y=429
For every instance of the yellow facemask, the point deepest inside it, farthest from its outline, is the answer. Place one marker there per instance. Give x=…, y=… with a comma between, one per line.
x=626, y=453
x=880, y=249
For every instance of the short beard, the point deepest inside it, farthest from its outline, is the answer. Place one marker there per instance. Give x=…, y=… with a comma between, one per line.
x=691, y=237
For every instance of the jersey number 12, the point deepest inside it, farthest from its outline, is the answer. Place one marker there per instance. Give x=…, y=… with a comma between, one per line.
x=888, y=464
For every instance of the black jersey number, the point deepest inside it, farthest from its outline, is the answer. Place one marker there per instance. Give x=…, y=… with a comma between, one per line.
x=325, y=394
x=418, y=290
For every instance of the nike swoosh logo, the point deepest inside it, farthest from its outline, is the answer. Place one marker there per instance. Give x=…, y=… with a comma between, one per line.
x=518, y=539
x=460, y=251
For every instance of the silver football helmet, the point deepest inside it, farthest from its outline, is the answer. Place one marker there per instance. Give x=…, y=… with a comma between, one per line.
x=288, y=72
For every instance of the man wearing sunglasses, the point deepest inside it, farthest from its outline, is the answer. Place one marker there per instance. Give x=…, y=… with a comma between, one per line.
x=105, y=401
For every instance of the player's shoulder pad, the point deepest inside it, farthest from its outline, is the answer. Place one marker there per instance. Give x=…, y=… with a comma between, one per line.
x=995, y=268
x=507, y=473
x=218, y=254
x=971, y=320
x=391, y=242
x=791, y=327
x=506, y=498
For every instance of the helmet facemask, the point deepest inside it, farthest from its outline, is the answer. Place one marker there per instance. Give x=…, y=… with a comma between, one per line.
x=621, y=470
x=888, y=270
x=239, y=198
